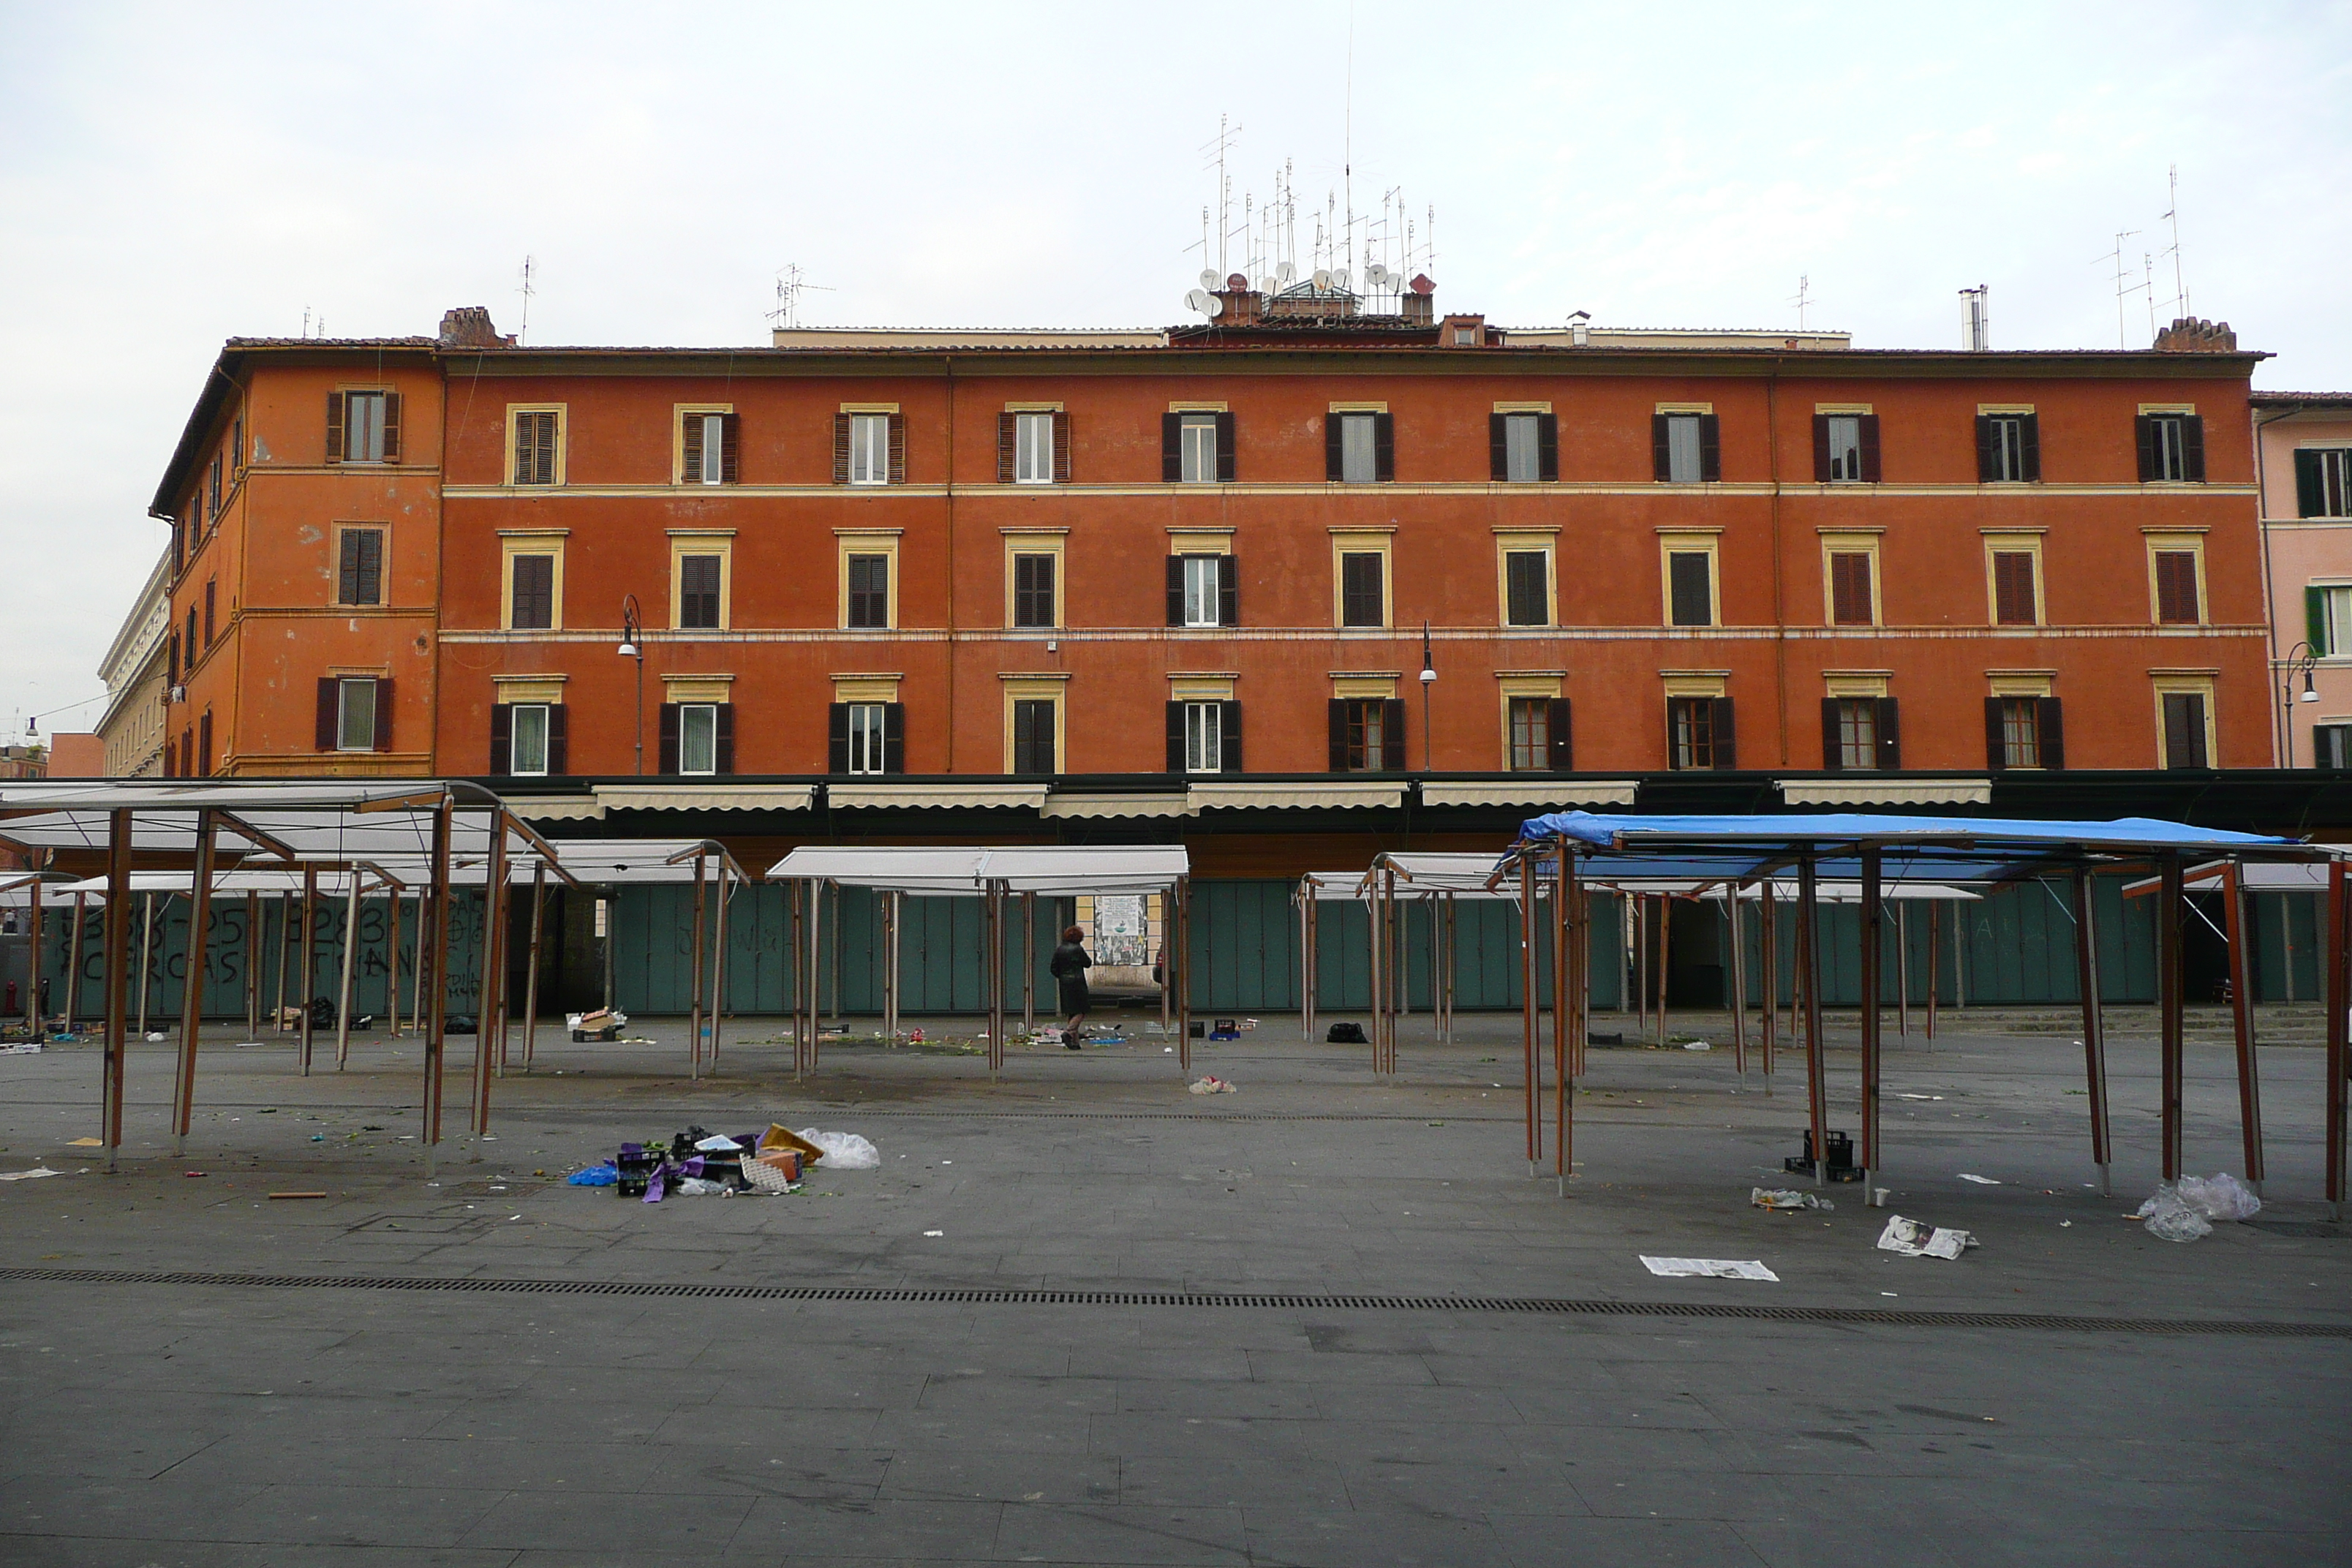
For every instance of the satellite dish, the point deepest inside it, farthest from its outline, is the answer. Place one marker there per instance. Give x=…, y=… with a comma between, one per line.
x=1284, y=272
x=1237, y=283
x=1375, y=275
x=1208, y=278
x=1322, y=280
x=1339, y=280
x=1266, y=285
x=1216, y=307
x=1198, y=299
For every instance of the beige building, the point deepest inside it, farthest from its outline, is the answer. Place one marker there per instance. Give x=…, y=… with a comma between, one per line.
x=135, y=675
x=2305, y=445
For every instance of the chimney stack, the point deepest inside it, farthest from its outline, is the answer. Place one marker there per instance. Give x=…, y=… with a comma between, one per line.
x=2193, y=335
x=469, y=326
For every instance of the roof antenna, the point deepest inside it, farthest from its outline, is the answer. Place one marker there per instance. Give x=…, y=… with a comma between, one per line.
x=1348, y=146
x=2122, y=291
x=1216, y=148
x=1802, y=298
x=791, y=282
x=2180, y=288
x=523, y=334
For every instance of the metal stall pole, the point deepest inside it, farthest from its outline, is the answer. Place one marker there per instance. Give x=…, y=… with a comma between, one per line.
x=718, y=970
x=417, y=967
x=73, y=971
x=310, y=956
x=1666, y=934
x=118, y=981
x=1308, y=938
x=530, y=980
x=1183, y=948
x=694, y=977
x=1902, y=972
x=2335, y=987
x=1768, y=957
x=391, y=963
x=893, y=915
x=436, y=1020
x=2169, y=988
x=490, y=1027
x=192, y=999
x=816, y=971
x=1808, y=975
x=2094, y=1028
x=1641, y=904
x=343, y=986
x=1028, y=962
x=1935, y=961
x=1371, y=902
x=1738, y=924
x=32, y=934
x=1527, y=1017
x=146, y=957
x=796, y=889
x=279, y=949
x=991, y=972
x=2242, y=1009
x=1568, y=1013
x=833, y=952
x=1873, y=917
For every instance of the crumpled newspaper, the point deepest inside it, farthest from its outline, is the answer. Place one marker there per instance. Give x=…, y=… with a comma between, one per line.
x=1212, y=1084
x=1918, y=1238
x=1786, y=1198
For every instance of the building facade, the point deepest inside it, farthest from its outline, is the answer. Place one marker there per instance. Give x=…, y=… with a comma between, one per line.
x=138, y=692
x=1208, y=556
x=2306, y=451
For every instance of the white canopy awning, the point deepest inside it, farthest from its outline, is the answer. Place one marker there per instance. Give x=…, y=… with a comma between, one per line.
x=1057, y=868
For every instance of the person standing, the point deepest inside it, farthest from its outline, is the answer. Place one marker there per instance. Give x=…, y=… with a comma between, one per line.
x=1068, y=967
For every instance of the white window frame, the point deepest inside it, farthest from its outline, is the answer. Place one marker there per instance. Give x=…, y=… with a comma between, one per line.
x=869, y=449
x=344, y=686
x=1204, y=583
x=2335, y=481
x=714, y=449
x=1359, y=448
x=1527, y=754
x=1857, y=736
x=1846, y=448
x=1033, y=448
x=2170, y=439
x=868, y=732
x=1522, y=448
x=1685, y=451
x=2008, y=448
x=1205, y=735
x=363, y=441
x=1196, y=448
x=693, y=716
x=521, y=717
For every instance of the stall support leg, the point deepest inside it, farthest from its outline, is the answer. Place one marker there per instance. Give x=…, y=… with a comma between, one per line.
x=694, y=971
x=1640, y=902
x=1568, y=1014
x=146, y=957
x=391, y=963
x=1028, y=964
x=2242, y=1010
x=530, y=980
x=416, y=968
x=1809, y=977
x=1180, y=974
x=118, y=982
x=719, y=972
x=73, y=971
x=343, y=982
x=1874, y=915
x=436, y=995
x=1934, y=962
x=1902, y=974
x=2336, y=986
x=33, y=956
x=1768, y=956
x=1528, y=1001
x=1736, y=921
x=1665, y=933
x=815, y=973
x=310, y=956
x=894, y=910
x=2170, y=989
x=191, y=1001
x=2094, y=1030
x=491, y=1003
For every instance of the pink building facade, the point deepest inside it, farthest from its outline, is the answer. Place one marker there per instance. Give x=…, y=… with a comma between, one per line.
x=2303, y=445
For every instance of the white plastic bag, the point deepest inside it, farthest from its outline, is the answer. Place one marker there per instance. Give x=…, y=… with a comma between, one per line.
x=1786, y=1198
x=2222, y=1197
x=699, y=1188
x=844, y=1150
x=2171, y=1217
x=1918, y=1238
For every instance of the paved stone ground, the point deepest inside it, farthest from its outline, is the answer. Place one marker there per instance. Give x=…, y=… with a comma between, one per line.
x=219, y=1423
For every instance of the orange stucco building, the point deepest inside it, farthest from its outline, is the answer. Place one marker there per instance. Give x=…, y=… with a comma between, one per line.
x=1203, y=559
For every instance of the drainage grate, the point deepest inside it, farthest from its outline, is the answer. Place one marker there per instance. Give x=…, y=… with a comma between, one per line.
x=1539, y=1305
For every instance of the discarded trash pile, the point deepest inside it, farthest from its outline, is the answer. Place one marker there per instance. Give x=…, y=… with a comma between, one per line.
x=604, y=1024
x=2187, y=1210
x=1918, y=1238
x=699, y=1163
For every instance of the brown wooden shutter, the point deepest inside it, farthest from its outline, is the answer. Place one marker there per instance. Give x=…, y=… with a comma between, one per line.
x=1498, y=447
x=836, y=738
x=1833, y=746
x=1172, y=448
x=1821, y=448
x=1384, y=447
x=2176, y=587
x=328, y=709
x=1229, y=594
x=1061, y=448
x=723, y=752
x=689, y=454
x=1559, y=736
x=1987, y=451
x=1229, y=737
x=1710, y=449
x=1996, y=733
x=212, y=605
x=898, y=449
x=334, y=427
x=1870, y=468
x=2012, y=587
x=729, y=424
x=2192, y=448
x=666, y=761
x=1335, y=463
x=1008, y=437
x=559, y=739
x=1175, y=590
x=382, y=739
x=2144, y=429
x=2051, y=722
x=204, y=744
x=2310, y=498
x=841, y=448
x=1175, y=737
x=2030, y=446
x=1392, y=736
x=1336, y=715
x=1661, y=449
x=894, y=737
x=392, y=427
x=501, y=738
x=1548, y=447
x=1727, y=749
x=1890, y=736
x=1228, y=460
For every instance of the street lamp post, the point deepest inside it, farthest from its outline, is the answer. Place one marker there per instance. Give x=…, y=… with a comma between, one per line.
x=633, y=646
x=1428, y=680
x=2300, y=658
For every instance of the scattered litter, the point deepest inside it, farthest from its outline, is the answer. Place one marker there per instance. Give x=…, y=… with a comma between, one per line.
x=1706, y=1269
x=276, y=1195
x=29, y=1048
x=604, y=1024
x=607, y=1174
x=157, y=1037
x=1786, y=1198
x=1918, y=1238
x=2064, y=1224
x=716, y=1140
x=1917, y=1097
x=1980, y=1181
x=29, y=1175
x=84, y=1143
x=701, y=1187
x=1212, y=1084
x=1697, y=1046
x=935, y=1233
x=2222, y=1197
x=191, y=1172
x=1167, y=1050
x=842, y=1151
x=2170, y=1216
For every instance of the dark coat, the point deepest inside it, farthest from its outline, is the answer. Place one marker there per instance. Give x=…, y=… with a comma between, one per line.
x=1068, y=967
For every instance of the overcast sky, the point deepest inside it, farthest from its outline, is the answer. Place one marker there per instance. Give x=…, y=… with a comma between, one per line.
x=172, y=176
